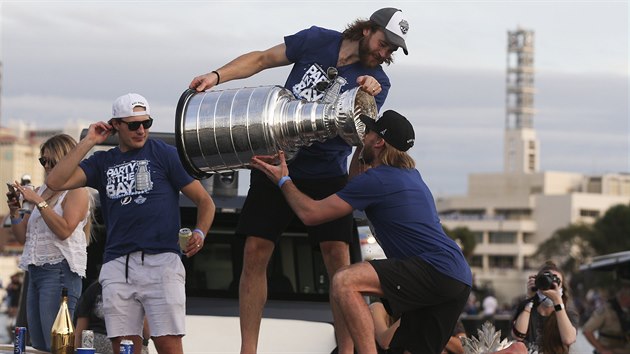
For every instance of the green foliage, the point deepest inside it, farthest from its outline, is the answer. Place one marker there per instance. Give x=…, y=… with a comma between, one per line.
x=464, y=237
x=568, y=247
x=613, y=230
x=573, y=245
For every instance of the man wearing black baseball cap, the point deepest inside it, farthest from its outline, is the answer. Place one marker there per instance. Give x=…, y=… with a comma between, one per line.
x=392, y=127
x=425, y=279
x=359, y=54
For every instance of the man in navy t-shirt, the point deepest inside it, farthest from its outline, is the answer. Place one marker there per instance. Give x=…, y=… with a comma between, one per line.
x=425, y=279
x=319, y=169
x=138, y=183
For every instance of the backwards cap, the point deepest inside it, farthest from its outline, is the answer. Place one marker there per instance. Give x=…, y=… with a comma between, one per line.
x=123, y=106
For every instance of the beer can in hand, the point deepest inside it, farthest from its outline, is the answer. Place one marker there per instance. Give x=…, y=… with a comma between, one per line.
x=126, y=346
x=19, y=344
x=87, y=339
x=184, y=235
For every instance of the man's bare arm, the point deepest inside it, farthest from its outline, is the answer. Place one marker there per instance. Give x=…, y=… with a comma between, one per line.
x=242, y=67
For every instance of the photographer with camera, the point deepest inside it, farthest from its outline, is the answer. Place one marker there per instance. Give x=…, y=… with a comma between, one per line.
x=544, y=321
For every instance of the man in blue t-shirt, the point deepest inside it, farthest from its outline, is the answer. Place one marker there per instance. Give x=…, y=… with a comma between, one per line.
x=319, y=169
x=425, y=279
x=138, y=183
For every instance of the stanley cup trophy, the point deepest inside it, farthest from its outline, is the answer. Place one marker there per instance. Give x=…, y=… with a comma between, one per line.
x=220, y=131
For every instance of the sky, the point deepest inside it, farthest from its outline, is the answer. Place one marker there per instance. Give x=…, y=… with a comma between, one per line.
x=66, y=61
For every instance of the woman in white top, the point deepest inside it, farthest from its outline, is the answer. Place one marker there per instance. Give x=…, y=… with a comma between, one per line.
x=55, y=242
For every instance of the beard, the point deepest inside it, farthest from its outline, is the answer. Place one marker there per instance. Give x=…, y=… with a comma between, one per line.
x=367, y=155
x=367, y=58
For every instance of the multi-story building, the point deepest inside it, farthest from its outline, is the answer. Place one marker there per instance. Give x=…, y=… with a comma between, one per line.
x=19, y=152
x=513, y=211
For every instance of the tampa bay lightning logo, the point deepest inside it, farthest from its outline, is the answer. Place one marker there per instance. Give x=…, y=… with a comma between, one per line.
x=126, y=200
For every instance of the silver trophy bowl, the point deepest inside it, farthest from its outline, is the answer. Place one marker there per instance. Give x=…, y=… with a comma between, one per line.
x=220, y=131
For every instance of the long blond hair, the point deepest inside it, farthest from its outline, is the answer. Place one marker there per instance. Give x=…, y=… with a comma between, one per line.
x=393, y=157
x=59, y=146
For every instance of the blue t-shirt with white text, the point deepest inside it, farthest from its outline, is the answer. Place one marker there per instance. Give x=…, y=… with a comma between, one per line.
x=139, y=194
x=313, y=51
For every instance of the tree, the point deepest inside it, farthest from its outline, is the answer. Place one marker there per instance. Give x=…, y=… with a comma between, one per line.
x=612, y=230
x=568, y=247
x=464, y=238
x=573, y=245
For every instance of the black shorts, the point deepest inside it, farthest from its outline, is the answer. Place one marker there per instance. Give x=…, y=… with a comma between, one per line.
x=267, y=214
x=428, y=303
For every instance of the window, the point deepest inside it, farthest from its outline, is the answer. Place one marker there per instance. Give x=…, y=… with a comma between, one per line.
x=502, y=237
x=296, y=270
x=528, y=237
x=589, y=213
x=476, y=261
x=478, y=237
x=501, y=261
x=514, y=214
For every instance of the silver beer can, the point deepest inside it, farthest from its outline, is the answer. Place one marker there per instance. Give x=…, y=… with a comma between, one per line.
x=87, y=339
x=184, y=235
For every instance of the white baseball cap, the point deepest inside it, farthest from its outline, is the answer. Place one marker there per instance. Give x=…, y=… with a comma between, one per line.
x=123, y=106
x=395, y=24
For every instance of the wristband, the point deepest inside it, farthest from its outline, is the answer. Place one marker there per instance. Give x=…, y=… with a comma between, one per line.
x=203, y=234
x=218, y=76
x=16, y=221
x=283, y=180
x=558, y=307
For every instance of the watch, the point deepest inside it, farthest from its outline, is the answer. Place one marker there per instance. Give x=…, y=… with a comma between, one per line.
x=558, y=307
x=42, y=205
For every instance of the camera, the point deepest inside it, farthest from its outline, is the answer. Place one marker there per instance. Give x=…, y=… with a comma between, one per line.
x=545, y=280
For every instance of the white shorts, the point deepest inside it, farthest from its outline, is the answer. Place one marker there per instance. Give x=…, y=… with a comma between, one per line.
x=154, y=286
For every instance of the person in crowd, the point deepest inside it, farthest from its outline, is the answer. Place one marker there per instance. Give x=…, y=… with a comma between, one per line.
x=545, y=320
x=14, y=288
x=425, y=278
x=55, y=241
x=89, y=316
x=139, y=183
x=612, y=322
x=385, y=326
x=319, y=169
x=489, y=305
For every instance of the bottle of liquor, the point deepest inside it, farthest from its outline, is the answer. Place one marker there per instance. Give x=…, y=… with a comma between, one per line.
x=62, y=332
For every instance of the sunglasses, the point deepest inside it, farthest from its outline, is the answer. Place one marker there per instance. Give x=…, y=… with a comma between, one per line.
x=133, y=126
x=50, y=162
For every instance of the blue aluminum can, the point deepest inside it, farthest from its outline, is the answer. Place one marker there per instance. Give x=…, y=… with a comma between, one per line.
x=20, y=340
x=126, y=346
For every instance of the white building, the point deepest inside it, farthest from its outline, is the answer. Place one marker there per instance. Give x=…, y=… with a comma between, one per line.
x=513, y=211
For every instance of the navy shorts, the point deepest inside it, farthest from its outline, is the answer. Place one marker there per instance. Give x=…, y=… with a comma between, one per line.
x=267, y=214
x=428, y=303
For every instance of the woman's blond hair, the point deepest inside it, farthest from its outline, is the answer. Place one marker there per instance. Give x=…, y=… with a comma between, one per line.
x=59, y=146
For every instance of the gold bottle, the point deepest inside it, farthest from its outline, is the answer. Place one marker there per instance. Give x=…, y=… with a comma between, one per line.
x=62, y=332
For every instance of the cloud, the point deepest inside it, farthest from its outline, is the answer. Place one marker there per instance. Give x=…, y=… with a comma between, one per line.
x=68, y=60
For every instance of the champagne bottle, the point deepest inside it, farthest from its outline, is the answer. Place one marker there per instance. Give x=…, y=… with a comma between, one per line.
x=62, y=332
